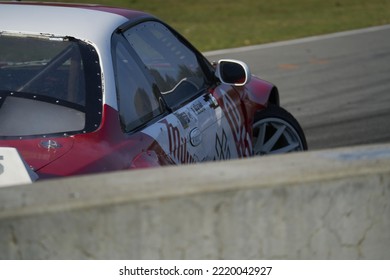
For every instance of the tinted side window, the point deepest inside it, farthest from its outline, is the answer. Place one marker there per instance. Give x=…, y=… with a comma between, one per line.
x=138, y=101
x=174, y=66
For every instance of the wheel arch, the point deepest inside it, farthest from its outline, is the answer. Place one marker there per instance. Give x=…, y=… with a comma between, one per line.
x=274, y=96
x=262, y=93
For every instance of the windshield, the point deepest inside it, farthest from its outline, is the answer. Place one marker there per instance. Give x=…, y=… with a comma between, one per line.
x=48, y=86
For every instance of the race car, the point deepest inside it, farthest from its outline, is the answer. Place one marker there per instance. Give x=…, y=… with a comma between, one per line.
x=89, y=88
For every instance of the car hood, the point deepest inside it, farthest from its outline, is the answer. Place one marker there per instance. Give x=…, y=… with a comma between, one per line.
x=39, y=152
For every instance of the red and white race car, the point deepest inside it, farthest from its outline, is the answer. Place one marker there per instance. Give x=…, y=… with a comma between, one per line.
x=87, y=88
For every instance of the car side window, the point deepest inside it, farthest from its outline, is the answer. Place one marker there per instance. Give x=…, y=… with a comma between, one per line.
x=138, y=100
x=173, y=65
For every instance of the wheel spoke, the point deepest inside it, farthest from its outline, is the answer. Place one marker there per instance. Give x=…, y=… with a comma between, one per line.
x=286, y=149
x=267, y=147
x=260, y=138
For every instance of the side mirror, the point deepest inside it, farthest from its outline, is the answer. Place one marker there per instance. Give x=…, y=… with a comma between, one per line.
x=233, y=72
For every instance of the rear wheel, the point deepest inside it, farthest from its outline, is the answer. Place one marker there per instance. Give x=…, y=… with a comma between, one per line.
x=276, y=131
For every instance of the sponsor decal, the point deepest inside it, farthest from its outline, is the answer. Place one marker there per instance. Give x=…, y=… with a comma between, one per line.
x=198, y=108
x=222, y=147
x=177, y=144
x=241, y=137
x=184, y=118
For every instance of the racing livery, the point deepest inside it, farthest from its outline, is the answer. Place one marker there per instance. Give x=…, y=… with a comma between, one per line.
x=89, y=88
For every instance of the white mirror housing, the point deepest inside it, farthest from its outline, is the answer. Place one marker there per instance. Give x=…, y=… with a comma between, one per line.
x=233, y=72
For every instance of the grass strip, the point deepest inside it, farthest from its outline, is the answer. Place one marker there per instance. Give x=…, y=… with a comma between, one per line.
x=220, y=24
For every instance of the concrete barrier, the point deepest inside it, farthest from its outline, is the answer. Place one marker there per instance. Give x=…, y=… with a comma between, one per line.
x=331, y=204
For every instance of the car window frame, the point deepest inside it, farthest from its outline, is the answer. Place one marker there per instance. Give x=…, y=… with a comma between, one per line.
x=93, y=106
x=205, y=66
x=118, y=37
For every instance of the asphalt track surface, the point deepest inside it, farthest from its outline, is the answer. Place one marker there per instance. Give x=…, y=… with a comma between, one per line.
x=336, y=85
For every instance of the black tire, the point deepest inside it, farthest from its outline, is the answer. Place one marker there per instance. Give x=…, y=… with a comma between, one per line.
x=276, y=131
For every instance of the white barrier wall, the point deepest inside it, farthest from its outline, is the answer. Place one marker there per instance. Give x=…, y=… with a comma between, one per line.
x=317, y=205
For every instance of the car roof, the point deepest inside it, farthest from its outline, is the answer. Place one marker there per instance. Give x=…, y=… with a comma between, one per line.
x=82, y=21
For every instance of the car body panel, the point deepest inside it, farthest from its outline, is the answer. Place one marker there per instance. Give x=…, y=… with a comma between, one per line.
x=215, y=125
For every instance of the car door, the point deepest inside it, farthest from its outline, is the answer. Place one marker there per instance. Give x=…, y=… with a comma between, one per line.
x=198, y=128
